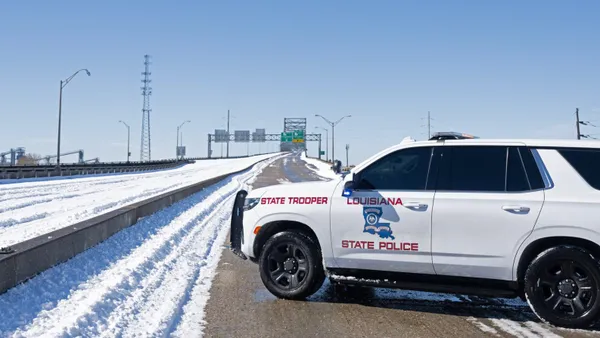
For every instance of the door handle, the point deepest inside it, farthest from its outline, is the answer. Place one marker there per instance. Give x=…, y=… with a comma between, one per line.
x=415, y=205
x=515, y=209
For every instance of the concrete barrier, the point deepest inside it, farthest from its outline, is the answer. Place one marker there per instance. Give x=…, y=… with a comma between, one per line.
x=25, y=260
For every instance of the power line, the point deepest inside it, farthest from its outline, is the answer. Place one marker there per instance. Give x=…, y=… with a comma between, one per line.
x=579, y=123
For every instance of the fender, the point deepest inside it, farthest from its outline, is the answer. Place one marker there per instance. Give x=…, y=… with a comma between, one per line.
x=553, y=231
x=321, y=229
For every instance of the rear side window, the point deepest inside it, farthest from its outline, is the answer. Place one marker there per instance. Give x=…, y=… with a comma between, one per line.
x=473, y=168
x=586, y=163
x=516, y=179
x=483, y=169
x=533, y=170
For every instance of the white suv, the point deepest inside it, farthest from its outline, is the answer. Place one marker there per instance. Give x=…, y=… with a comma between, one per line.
x=500, y=218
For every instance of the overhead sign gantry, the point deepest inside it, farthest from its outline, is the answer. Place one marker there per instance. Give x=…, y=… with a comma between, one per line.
x=289, y=139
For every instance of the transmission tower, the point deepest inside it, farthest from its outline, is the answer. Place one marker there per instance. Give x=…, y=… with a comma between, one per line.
x=145, y=154
x=429, y=119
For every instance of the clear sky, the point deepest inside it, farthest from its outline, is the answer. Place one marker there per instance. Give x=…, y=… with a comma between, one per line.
x=490, y=68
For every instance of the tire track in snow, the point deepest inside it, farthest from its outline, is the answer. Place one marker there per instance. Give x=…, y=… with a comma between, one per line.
x=92, y=293
x=20, y=205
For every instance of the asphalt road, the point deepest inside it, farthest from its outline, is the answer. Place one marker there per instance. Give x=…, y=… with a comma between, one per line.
x=240, y=306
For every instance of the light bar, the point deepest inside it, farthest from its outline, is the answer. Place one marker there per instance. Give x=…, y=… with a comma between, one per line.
x=450, y=135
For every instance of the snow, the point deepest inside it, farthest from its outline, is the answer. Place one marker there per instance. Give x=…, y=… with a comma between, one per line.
x=34, y=207
x=500, y=315
x=321, y=168
x=483, y=327
x=151, y=279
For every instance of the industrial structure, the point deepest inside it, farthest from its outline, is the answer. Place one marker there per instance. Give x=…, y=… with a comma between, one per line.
x=145, y=149
x=78, y=152
x=293, y=137
x=15, y=155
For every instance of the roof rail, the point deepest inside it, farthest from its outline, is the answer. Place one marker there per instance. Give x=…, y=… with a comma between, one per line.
x=450, y=135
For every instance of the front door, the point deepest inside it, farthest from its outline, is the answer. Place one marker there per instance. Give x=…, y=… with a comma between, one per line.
x=386, y=223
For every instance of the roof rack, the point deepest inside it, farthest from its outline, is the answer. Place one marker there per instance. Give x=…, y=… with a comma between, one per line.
x=450, y=135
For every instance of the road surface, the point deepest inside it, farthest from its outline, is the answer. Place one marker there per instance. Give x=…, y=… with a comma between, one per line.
x=240, y=306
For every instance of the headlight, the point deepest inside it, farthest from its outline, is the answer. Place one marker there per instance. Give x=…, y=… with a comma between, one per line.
x=250, y=203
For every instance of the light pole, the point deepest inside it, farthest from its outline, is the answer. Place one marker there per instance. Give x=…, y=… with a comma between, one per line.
x=178, y=128
x=128, y=133
x=326, y=142
x=63, y=83
x=332, y=124
x=347, y=148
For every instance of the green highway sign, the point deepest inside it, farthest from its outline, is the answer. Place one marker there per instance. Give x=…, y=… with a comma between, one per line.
x=286, y=137
x=296, y=136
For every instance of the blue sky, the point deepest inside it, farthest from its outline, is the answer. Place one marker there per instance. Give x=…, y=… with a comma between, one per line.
x=490, y=68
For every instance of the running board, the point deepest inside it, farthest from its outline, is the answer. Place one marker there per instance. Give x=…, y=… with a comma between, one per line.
x=425, y=283
x=236, y=236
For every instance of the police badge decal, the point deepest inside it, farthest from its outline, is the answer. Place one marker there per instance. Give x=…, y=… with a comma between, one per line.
x=372, y=215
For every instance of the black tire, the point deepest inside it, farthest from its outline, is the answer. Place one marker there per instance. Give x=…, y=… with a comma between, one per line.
x=562, y=286
x=302, y=257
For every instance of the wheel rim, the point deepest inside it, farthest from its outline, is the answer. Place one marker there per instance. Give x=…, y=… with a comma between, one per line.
x=288, y=266
x=567, y=288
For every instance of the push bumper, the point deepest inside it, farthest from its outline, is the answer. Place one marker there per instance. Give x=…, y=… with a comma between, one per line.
x=237, y=224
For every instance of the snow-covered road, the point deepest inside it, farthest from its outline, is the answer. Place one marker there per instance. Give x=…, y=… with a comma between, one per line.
x=151, y=279
x=30, y=209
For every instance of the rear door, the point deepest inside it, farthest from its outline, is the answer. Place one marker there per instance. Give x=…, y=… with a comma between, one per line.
x=485, y=207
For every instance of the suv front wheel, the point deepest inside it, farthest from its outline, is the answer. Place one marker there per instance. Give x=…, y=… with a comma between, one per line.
x=291, y=266
x=562, y=286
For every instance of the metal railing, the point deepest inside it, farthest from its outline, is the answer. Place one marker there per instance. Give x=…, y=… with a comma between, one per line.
x=51, y=170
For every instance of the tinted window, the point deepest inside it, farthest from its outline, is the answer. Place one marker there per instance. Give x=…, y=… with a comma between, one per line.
x=473, y=168
x=516, y=179
x=533, y=172
x=405, y=169
x=586, y=162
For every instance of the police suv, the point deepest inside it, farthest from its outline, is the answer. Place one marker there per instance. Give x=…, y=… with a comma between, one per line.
x=456, y=213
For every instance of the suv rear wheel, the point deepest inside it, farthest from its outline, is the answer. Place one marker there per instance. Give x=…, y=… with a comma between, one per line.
x=562, y=286
x=291, y=266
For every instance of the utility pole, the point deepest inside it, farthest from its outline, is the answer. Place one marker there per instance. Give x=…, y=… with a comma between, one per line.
x=227, y=133
x=347, y=148
x=577, y=123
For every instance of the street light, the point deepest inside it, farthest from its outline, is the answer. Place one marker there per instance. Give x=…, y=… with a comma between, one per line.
x=333, y=124
x=178, y=128
x=128, y=133
x=326, y=142
x=63, y=83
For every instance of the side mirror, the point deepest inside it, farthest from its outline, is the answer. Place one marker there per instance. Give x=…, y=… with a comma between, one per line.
x=349, y=186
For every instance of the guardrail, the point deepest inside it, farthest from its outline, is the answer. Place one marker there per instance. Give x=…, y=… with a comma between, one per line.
x=24, y=260
x=49, y=170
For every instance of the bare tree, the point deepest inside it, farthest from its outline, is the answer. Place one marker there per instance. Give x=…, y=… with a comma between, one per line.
x=29, y=159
